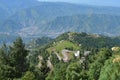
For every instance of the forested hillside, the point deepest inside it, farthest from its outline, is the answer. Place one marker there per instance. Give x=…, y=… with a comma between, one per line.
x=58, y=41
x=71, y=56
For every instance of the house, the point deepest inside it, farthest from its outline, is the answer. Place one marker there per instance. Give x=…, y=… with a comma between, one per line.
x=115, y=48
x=65, y=54
x=77, y=54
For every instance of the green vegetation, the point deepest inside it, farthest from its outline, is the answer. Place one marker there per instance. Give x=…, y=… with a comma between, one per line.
x=13, y=61
x=63, y=45
x=43, y=63
x=70, y=56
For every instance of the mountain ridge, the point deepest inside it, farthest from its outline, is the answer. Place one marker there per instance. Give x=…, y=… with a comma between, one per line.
x=40, y=15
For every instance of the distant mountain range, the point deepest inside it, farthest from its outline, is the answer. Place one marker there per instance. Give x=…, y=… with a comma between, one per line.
x=92, y=23
x=30, y=18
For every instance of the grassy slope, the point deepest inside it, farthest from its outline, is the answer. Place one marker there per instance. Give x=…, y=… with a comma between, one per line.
x=61, y=45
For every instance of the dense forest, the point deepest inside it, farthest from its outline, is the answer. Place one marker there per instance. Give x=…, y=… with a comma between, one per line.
x=70, y=56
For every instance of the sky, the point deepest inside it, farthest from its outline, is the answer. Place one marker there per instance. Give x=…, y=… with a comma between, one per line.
x=115, y=3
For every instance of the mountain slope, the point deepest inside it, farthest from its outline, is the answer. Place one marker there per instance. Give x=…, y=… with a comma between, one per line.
x=31, y=13
x=32, y=18
x=94, y=23
x=8, y=8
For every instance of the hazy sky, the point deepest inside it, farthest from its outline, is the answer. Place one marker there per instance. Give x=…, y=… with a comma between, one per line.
x=91, y=2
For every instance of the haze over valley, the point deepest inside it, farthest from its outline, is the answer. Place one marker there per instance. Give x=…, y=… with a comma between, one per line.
x=32, y=18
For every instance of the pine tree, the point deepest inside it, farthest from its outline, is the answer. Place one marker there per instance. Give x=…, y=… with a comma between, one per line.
x=17, y=56
x=5, y=70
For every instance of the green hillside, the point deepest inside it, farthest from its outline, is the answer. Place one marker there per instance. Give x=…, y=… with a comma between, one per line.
x=59, y=41
x=59, y=46
x=90, y=40
x=57, y=60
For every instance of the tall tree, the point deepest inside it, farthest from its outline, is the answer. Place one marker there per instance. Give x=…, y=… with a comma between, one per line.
x=17, y=56
x=5, y=70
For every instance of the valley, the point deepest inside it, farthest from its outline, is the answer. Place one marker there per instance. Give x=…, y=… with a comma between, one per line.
x=52, y=19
